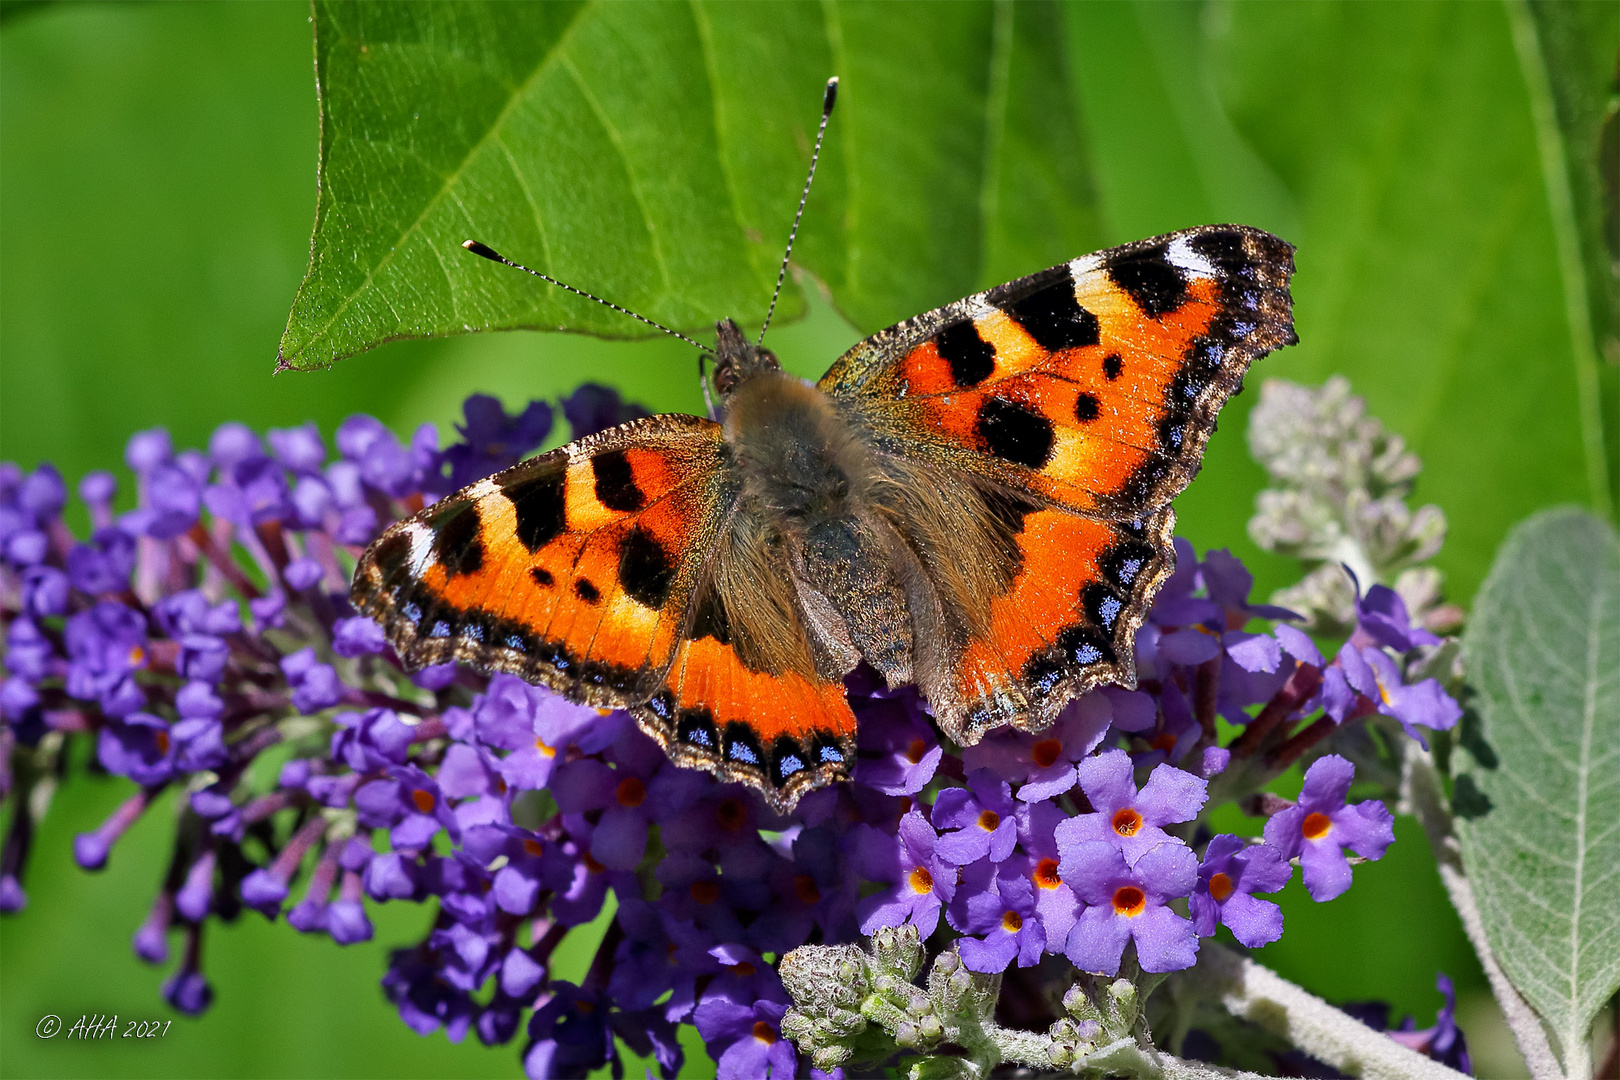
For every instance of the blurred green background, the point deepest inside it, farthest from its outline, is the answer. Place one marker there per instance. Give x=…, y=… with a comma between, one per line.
x=157, y=182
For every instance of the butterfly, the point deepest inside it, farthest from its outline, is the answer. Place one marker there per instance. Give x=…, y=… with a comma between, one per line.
x=975, y=501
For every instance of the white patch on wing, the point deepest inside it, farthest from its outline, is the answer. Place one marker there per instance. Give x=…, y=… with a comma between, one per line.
x=483, y=489
x=1182, y=255
x=421, y=547
x=1085, y=264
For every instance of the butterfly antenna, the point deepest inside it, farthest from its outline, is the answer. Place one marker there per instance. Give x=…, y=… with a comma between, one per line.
x=494, y=256
x=827, y=101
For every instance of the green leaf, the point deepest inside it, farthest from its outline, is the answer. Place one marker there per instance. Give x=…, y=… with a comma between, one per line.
x=1539, y=782
x=653, y=153
x=1567, y=51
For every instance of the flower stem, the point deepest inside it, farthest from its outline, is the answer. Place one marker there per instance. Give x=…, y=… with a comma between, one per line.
x=1423, y=796
x=1255, y=993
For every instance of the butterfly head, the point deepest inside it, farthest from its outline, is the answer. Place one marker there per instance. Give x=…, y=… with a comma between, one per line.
x=736, y=357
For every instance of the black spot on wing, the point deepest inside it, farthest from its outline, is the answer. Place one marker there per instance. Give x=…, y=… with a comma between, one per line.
x=542, y=510
x=616, y=482
x=710, y=619
x=1014, y=433
x=1151, y=280
x=587, y=591
x=788, y=758
x=392, y=555
x=1086, y=408
x=455, y=543
x=1054, y=318
x=1222, y=247
x=971, y=358
x=1124, y=562
x=645, y=569
x=1113, y=367
x=542, y=577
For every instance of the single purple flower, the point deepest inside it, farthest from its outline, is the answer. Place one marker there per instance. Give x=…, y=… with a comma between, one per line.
x=996, y=907
x=1130, y=820
x=1320, y=826
x=1129, y=903
x=358, y=636
x=981, y=820
x=1373, y=674
x=139, y=746
x=1231, y=873
x=899, y=750
x=1444, y=1041
x=1382, y=617
x=920, y=881
x=1044, y=762
x=746, y=1039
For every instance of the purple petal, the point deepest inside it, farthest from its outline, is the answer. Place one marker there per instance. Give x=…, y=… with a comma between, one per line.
x=1170, y=795
x=1367, y=828
x=620, y=838
x=1164, y=940
x=991, y=955
x=1108, y=780
x=1098, y=939
x=1253, y=922
x=1298, y=644
x=1254, y=652
x=1327, y=782
x=1326, y=873
x=1168, y=870
x=1091, y=868
x=1189, y=647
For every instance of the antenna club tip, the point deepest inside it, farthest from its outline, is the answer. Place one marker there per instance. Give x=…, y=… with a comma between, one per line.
x=830, y=96
x=482, y=249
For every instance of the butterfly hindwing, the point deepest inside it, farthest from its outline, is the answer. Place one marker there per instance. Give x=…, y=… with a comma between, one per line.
x=1093, y=385
x=574, y=569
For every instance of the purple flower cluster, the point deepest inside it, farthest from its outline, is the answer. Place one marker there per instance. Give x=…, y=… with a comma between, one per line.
x=209, y=623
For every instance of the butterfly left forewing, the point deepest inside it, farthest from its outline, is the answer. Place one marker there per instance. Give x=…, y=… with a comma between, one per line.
x=574, y=569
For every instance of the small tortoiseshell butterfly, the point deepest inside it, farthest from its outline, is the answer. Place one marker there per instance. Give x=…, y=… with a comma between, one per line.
x=975, y=500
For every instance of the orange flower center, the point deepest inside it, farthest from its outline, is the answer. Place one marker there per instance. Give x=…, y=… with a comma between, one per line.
x=988, y=820
x=1127, y=821
x=1163, y=741
x=1220, y=887
x=592, y=865
x=424, y=800
x=805, y=886
x=533, y=847
x=731, y=815
x=161, y=737
x=916, y=751
x=137, y=656
x=546, y=750
x=764, y=1032
x=1012, y=922
x=586, y=1007
x=743, y=969
x=921, y=881
x=1046, y=874
x=1129, y=901
x=1046, y=752
x=632, y=792
x=1315, y=826
x=705, y=892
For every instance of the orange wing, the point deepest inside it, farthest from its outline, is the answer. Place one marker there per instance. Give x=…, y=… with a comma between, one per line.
x=1093, y=385
x=1086, y=393
x=574, y=569
x=578, y=570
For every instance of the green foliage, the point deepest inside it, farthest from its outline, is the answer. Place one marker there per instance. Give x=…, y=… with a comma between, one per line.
x=651, y=153
x=1538, y=792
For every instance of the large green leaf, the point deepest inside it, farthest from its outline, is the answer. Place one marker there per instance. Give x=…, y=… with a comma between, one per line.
x=652, y=153
x=1539, y=787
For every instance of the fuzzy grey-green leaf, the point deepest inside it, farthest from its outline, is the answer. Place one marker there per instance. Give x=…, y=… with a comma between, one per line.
x=1540, y=824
